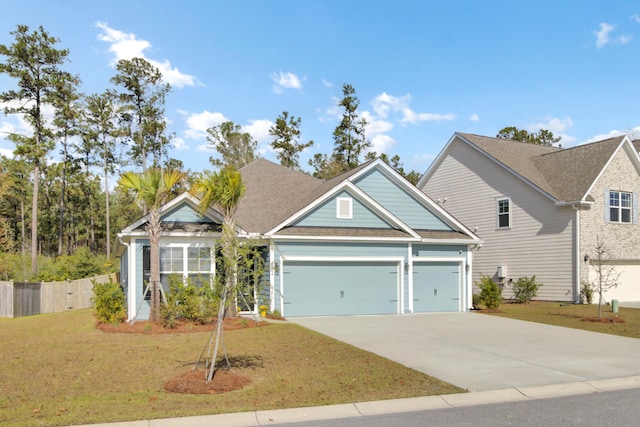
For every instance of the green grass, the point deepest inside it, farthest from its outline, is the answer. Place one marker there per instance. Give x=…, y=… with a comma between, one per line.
x=58, y=369
x=572, y=315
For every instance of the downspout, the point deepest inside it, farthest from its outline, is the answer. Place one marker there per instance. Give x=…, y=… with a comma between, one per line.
x=468, y=286
x=576, y=283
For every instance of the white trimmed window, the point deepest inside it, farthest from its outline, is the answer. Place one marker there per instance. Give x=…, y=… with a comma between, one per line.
x=620, y=207
x=191, y=262
x=503, y=212
x=344, y=208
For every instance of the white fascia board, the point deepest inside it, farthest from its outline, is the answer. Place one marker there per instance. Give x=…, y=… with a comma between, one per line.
x=464, y=242
x=579, y=203
x=418, y=195
x=456, y=258
x=345, y=239
x=508, y=169
x=361, y=196
x=144, y=234
x=339, y=258
x=190, y=199
x=437, y=161
x=631, y=152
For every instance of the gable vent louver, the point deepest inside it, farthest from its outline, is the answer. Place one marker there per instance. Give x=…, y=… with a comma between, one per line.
x=344, y=208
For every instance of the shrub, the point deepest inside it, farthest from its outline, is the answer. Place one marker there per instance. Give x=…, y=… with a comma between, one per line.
x=586, y=292
x=188, y=302
x=490, y=293
x=109, y=301
x=525, y=289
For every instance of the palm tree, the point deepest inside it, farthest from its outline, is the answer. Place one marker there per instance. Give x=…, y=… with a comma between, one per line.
x=224, y=190
x=152, y=189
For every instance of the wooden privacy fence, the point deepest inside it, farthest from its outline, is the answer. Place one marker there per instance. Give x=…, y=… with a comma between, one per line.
x=27, y=298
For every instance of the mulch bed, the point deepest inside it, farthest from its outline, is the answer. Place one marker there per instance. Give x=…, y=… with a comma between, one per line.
x=612, y=319
x=146, y=327
x=194, y=382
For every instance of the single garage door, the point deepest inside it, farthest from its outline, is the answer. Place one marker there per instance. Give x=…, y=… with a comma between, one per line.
x=628, y=288
x=436, y=286
x=340, y=288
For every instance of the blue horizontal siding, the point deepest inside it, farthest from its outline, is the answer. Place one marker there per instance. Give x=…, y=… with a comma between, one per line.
x=339, y=249
x=326, y=216
x=184, y=213
x=399, y=202
x=438, y=250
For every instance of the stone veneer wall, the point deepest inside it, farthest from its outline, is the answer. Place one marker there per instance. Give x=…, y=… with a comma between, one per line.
x=622, y=241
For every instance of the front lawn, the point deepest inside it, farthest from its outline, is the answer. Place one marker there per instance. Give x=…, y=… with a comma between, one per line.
x=573, y=315
x=58, y=369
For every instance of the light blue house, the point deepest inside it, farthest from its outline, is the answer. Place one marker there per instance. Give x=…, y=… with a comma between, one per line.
x=365, y=242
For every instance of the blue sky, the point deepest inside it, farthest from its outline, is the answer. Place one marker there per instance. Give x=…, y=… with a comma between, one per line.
x=421, y=69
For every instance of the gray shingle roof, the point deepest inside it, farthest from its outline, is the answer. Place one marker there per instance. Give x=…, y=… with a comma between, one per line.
x=342, y=232
x=273, y=193
x=564, y=174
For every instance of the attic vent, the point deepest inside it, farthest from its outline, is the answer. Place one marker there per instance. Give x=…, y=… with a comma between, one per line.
x=344, y=208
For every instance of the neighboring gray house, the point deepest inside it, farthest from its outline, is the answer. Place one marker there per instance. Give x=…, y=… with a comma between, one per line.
x=540, y=210
x=365, y=242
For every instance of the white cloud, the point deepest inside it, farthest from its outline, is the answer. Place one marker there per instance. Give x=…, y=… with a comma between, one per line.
x=198, y=123
x=384, y=103
x=376, y=131
x=127, y=45
x=610, y=134
x=332, y=113
x=382, y=143
x=412, y=117
x=205, y=148
x=603, y=36
x=179, y=144
x=474, y=117
x=422, y=161
x=6, y=152
x=634, y=133
x=285, y=81
x=327, y=83
x=556, y=125
x=258, y=129
x=636, y=18
x=375, y=126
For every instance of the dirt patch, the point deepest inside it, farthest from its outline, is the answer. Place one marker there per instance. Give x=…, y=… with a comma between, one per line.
x=612, y=319
x=146, y=327
x=194, y=382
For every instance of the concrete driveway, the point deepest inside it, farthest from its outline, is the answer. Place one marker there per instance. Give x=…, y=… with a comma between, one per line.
x=481, y=352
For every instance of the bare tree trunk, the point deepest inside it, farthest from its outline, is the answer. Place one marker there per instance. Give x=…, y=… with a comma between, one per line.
x=34, y=221
x=154, y=258
x=219, y=330
x=106, y=195
x=62, y=190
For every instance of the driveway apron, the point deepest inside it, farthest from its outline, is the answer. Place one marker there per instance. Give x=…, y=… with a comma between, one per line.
x=481, y=352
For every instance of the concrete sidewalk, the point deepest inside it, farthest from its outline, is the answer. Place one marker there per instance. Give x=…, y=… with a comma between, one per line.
x=365, y=409
x=480, y=352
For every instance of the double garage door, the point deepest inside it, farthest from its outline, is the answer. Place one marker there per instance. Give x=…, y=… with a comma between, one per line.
x=329, y=288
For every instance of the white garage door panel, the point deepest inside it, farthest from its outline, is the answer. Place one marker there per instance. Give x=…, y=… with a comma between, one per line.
x=628, y=288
